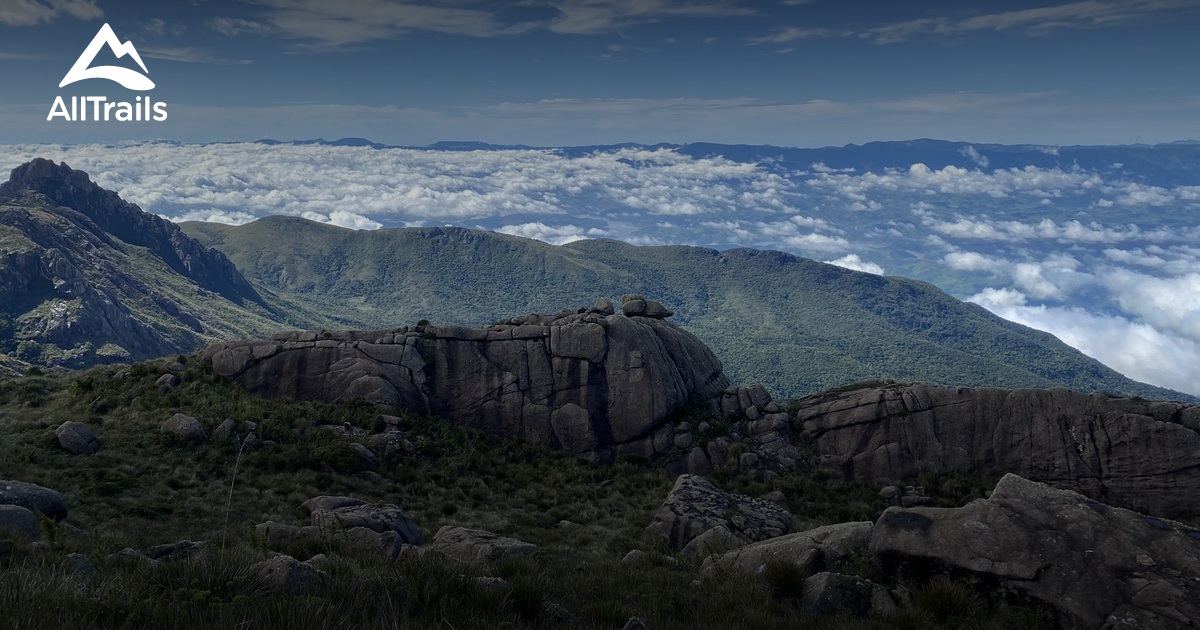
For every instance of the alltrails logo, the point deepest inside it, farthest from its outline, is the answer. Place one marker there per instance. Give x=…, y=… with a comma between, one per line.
x=99, y=107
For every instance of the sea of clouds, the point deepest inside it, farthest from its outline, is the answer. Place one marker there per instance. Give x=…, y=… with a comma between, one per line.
x=1110, y=266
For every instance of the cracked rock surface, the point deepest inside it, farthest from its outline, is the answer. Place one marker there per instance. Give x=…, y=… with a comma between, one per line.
x=1137, y=454
x=1091, y=564
x=586, y=382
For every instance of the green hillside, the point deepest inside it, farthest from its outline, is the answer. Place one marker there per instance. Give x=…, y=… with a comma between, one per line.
x=794, y=324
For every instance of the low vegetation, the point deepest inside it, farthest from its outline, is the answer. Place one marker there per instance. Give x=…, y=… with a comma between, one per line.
x=145, y=489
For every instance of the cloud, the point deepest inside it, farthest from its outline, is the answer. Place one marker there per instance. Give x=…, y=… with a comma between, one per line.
x=234, y=27
x=1033, y=21
x=213, y=215
x=795, y=33
x=190, y=55
x=335, y=24
x=342, y=218
x=1170, y=304
x=560, y=235
x=976, y=156
x=852, y=261
x=30, y=12
x=971, y=261
x=159, y=27
x=1137, y=350
x=604, y=16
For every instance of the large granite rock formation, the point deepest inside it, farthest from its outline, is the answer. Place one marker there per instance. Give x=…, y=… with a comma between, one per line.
x=1090, y=564
x=1141, y=455
x=589, y=382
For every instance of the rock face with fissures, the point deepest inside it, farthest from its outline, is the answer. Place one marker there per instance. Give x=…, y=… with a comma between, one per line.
x=1143, y=455
x=591, y=381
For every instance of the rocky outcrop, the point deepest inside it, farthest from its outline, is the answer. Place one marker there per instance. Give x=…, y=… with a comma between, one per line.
x=582, y=381
x=695, y=506
x=285, y=575
x=1090, y=564
x=821, y=549
x=475, y=545
x=74, y=189
x=1141, y=455
x=332, y=513
x=827, y=594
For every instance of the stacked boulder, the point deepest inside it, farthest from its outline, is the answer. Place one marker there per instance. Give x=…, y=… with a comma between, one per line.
x=589, y=381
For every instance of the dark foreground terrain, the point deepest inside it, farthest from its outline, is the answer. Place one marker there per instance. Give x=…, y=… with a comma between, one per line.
x=160, y=526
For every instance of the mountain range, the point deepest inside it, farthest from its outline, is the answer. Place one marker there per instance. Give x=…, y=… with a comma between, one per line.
x=88, y=278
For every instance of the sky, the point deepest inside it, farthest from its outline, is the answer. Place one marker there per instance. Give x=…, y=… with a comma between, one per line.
x=577, y=72
x=1101, y=259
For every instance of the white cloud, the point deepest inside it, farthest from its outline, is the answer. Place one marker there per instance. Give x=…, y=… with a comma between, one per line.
x=976, y=157
x=1032, y=278
x=853, y=261
x=30, y=12
x=1137, y=350
x=971, y=261
x=555, y=235
x=1037, y=20
x=1170, y=304
x=992, y=298
x=212, y=215
x=341, y=218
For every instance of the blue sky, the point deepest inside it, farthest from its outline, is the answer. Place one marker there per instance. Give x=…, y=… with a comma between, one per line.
x=568, y=72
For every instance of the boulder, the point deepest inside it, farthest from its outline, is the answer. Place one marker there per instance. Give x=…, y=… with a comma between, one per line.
x=474, y=545
x=33, y=497
x=604, y=307
x=20, y=520
x=186, y=428
x=695, y=506
x=225, y=431
x=656, y=310
x=1132, y=453
x=635, y=623
x=328, y=503
x=821, y=549
x=170, y=381
x=634, y=556
x=130, y=557
x=77, y=438
x=828, y=594
x=284, y=575
x=376, y=517
x=79, y=566
x=366, y=459
x=174, y=551
x=1091, y=564
x=713, y=541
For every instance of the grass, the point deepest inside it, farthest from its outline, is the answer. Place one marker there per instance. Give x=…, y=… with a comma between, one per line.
x=145, y=489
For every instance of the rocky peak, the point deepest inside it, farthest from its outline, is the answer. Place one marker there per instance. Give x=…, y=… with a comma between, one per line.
x=74, y=189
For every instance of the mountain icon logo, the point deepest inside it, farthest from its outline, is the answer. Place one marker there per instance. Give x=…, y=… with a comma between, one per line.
x=129, y=79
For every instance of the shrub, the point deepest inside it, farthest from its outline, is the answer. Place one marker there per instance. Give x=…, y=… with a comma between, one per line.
x=785, y=579
x=947, y=600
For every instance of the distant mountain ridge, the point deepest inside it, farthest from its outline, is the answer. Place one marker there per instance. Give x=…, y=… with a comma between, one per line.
x=795, y=324
x=1164, y=164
